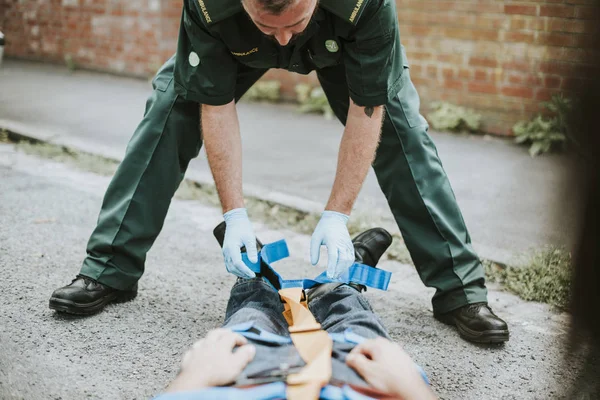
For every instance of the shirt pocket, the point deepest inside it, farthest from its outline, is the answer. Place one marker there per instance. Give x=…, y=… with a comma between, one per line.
x=409, y=97
x=323, y=58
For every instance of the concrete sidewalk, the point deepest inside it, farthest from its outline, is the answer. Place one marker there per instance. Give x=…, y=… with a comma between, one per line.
x=131, y=351
x=511, y=202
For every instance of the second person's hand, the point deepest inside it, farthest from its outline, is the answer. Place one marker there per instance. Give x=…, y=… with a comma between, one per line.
x=333, y=233
x=239, y=233
x=387, y=367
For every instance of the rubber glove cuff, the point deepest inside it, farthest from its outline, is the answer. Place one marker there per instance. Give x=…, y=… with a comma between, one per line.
x=335, y=215
x=236, y=213
x=238, y=234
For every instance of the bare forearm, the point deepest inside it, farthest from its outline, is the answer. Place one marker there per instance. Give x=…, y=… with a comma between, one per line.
x=223, y=145
x=357, y=151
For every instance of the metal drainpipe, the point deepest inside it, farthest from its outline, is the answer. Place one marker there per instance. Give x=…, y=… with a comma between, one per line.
x=1, y=46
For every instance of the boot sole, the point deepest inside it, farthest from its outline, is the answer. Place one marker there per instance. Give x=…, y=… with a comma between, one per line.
x=71, y=307
x=493, y=336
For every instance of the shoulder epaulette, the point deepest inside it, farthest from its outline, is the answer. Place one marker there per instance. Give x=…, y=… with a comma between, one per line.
x=213, y=11
x=348, y=10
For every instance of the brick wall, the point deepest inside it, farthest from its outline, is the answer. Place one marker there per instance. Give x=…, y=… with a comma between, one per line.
x=499, y=57
x=132, y=37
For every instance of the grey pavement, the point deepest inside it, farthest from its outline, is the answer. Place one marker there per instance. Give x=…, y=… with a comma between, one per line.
x=511, y=202
x=132, y=350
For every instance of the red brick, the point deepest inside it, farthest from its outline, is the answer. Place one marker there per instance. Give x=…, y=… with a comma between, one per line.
x=520, y=9
x=545, y=94
x=481, y=75
x=552, y=81
x=431, y=71
x=454, y=59
x=517, y=66
x=523, y=37
x=480, y=87
x=518, y=91
x=584, y=12
x=464, y=74
x=482, y=62
x=556, y=39
x=563, y=11
x=518, y=23
x=448, y=73
x=454, y=84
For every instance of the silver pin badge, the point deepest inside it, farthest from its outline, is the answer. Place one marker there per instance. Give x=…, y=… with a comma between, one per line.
x=194, y=59
x=331, y=46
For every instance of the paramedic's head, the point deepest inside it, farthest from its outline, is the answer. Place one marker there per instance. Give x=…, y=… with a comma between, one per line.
x=281, y=19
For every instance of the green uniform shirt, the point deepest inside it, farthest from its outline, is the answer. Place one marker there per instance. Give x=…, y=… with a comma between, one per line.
x=216, y=36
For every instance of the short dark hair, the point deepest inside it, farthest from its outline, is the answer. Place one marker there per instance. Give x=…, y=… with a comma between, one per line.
x=275, y=7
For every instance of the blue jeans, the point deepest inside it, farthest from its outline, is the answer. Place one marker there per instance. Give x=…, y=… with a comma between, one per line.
x=336, y=310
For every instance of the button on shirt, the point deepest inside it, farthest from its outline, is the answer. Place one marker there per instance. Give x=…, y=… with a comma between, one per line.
x=208, y=54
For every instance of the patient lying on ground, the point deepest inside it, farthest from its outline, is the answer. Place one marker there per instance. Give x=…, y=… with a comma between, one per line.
x=255, y=351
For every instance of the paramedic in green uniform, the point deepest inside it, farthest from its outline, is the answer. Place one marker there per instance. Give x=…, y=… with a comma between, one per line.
x=224, y=47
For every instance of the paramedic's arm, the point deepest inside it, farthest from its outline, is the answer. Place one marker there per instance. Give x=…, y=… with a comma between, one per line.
x=223, y=145
x=212, y=361
x=357, y=151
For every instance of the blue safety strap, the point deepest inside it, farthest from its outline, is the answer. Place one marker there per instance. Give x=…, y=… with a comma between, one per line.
x=347, y=337
x=270, y=253
x=250, y=331
x=358, y=273
x=270, y=391
x=258, y=334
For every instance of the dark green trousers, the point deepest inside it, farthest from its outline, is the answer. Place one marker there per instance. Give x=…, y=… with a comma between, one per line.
x=407, y=167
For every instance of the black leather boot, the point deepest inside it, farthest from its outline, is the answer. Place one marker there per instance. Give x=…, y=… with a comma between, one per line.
x=86, y=296
x=370, y=245
x=476, y=323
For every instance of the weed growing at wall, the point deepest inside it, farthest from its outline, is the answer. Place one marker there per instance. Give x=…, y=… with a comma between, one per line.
x=264, y=91
x=70, y=62
x=312, y=100
x=450, y=117
x=546, y=133
x=546, y=277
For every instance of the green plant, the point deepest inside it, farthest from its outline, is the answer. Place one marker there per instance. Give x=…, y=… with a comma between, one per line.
x=264, y=90
x=312, y=100
x=70, y=62
x=449, y=117
x=546, y=277
x=546, y=133
x=4, y=138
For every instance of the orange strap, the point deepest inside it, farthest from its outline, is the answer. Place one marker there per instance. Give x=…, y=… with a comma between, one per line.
x=313, y=344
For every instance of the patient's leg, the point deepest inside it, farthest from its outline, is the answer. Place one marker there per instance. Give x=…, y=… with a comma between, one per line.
x=342, y=307
x=255, y=300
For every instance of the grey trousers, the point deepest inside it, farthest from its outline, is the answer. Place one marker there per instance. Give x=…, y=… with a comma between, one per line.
x=254, y=300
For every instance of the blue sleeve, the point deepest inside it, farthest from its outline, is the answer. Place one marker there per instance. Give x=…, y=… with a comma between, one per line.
x=188, y=395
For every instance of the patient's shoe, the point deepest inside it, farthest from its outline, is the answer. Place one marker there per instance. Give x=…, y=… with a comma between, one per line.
x=370, y=245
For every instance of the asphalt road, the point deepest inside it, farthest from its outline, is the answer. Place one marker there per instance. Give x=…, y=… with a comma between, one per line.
x=131, y=351
x=511, y=202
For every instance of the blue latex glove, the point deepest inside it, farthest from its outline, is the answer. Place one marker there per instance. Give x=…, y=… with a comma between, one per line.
x=238, y=233
x=333, y=233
